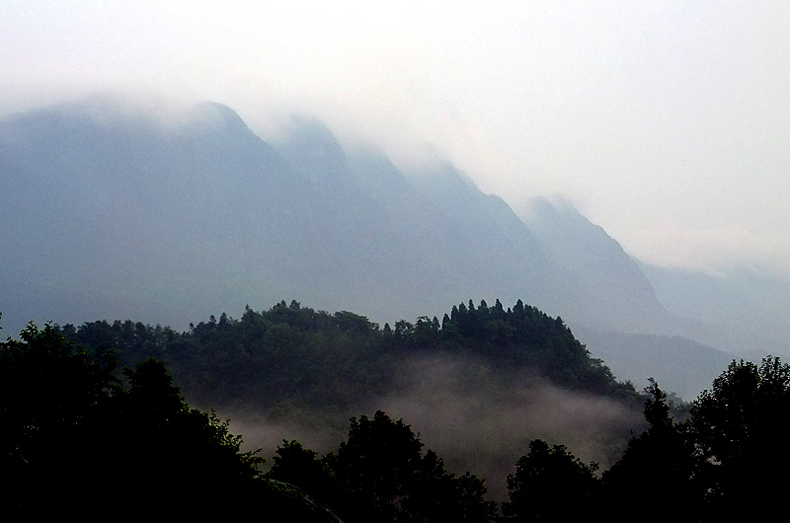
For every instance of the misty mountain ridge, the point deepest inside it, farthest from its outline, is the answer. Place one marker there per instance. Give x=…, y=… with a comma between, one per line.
x=111, y=212
x=743, y=310
x=606, y=276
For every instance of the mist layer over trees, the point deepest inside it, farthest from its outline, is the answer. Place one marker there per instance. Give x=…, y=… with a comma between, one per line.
x=719, y=460
x=483, y=378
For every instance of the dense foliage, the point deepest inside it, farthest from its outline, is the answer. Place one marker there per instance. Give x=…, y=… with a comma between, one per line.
x=657, y=470
x=76, y=438
x=739, y=428
x=552, y=485
x=380, y=473
x=718, y=464
x=295, y=355
x=724, y=463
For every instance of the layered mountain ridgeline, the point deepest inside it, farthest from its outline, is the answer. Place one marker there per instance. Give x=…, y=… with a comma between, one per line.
x=111, y=214
x=603, y=273
x=748, y=307
x=165, y=215
x=682, y=366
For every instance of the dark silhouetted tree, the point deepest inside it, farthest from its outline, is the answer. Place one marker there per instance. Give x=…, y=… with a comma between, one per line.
x=50, y=394
x=739, y=428
x=659, y=460
x=552, y=485
x=438, y=495
x=73, y=440
x=378, y=464
x=301, y=467
x=386, y=478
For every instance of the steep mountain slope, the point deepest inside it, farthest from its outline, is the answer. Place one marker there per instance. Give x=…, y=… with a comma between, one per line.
x=610, y=286
x=678, y=364
x=114, y=212
x=744, y=311
x=107, y=213
x=371, y=255
x=110, y=211
x=476, y=236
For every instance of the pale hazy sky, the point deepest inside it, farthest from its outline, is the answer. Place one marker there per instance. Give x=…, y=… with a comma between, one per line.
x=667, y=123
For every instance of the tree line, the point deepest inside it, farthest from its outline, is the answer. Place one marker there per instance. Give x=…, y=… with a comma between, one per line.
x=79, y=437
x=80, y=434
x=303, y=357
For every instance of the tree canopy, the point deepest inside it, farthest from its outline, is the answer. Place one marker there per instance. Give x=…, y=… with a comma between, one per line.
x=88, y=438
x=657, y=470
x=75, y=435
x=380, y=473
x=296, y=355
x=739, y=427
x=551, y=484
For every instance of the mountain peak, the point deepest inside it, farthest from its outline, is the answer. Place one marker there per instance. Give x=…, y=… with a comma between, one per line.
x=311, y=148
x=217, y=116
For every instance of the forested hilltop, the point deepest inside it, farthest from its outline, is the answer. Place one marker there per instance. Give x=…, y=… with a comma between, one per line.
x=301, y=356
x=476, y=382
x=155, y=452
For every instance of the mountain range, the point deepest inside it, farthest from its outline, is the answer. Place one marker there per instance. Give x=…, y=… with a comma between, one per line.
x=111, y=212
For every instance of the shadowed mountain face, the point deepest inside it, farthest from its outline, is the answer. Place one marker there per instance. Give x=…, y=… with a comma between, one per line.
x=110, y=212
x=744, y=310
x=499, y=252
x=678, y=364
x=424, y=240
x=606, y=279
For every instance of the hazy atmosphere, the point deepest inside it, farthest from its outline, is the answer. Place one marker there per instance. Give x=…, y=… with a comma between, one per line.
x=666, y=123
x=471, y=261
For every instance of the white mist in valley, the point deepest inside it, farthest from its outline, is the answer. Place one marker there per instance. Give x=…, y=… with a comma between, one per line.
x=477, y=418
